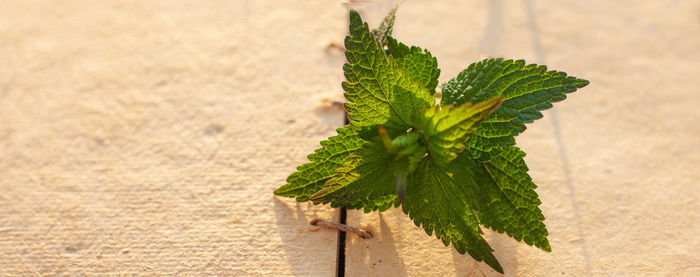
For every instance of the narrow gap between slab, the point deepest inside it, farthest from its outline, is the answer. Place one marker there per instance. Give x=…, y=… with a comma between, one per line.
x=340, y=256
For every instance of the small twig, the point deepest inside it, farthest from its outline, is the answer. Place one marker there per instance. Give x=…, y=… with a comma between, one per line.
x=341, y=227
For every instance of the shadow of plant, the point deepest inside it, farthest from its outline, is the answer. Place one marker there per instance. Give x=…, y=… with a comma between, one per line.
x=504, y=249
x=302, y=241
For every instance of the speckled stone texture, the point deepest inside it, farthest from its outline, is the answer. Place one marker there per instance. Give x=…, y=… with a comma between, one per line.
x=617, y=163
x=146, y=137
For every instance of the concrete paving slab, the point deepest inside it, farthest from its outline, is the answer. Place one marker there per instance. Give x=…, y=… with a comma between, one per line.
x=146, y=138
x=616, y=163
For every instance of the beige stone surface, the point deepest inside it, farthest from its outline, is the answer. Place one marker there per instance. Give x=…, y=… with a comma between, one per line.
x=146, y=137
x=617, y=163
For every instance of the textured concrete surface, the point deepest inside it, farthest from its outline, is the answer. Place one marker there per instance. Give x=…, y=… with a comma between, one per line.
x=617, y=163
x=146, y=137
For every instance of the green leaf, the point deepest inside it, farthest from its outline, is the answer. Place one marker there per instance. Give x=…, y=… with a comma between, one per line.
x=378, y=91
x=385, y=28
x=443, y=201
x=446, y=128
x=366, y=180
x=526, y=90
x=452, y=167
x=418, y=63
x=508, y=201
x=310, y=177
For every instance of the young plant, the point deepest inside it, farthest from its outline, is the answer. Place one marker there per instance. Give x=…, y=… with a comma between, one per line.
x=451, y=166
